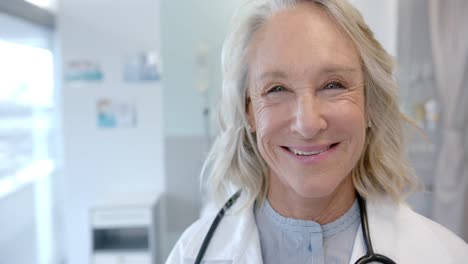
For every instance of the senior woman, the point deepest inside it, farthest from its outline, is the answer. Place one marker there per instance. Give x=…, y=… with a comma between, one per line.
x=311, y=144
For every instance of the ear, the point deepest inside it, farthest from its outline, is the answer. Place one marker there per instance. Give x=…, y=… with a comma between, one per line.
x=367, y=118
x=249, y=114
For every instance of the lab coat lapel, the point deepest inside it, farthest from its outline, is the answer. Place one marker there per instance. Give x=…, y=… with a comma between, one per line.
x=248, y=237
x=381, y=219
x=235, y=241
x=400, y=234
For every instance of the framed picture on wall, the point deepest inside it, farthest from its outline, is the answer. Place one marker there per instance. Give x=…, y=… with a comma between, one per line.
x=111, y=113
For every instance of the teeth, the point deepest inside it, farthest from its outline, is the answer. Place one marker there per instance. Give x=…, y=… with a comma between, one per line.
x=301, y=153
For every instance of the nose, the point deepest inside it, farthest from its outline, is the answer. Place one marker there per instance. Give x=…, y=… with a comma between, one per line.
x=308, y=117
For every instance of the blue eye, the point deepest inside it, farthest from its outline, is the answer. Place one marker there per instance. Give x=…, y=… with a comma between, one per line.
x=277, y=88
x=333, y=85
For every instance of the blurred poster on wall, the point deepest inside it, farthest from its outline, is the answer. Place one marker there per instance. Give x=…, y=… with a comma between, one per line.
x=83, y=71
x=111, y=113
x=142, y=67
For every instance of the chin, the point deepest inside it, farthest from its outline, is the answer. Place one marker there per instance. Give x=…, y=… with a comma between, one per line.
x=316, y=189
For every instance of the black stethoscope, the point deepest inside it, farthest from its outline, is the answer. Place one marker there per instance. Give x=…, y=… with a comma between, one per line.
x=368, y=258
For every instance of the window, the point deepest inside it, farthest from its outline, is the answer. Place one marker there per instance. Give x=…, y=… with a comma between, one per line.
x=26, y=112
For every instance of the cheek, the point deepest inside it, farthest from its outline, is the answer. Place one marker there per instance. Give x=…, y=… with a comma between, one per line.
x=272, y=114
x=266, y=119
x=352, y=122
x=350, y=110
x=268, y=130
x=265, y=127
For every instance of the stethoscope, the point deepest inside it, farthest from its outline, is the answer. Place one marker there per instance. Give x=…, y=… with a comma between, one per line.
x=370, y=256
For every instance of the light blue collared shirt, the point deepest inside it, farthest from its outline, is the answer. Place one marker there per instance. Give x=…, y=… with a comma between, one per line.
x=288, y=240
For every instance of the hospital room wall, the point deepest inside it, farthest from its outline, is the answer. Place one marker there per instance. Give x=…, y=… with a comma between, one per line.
x=166, y=149
x=382, y=18
x=192, y=33
x=100, y=161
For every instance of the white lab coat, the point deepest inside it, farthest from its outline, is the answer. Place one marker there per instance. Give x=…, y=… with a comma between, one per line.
x=396, y=232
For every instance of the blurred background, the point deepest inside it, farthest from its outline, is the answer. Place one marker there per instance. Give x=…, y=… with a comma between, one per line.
x=106, y=115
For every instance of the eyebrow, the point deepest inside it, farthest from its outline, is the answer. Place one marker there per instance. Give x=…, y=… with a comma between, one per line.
x=279, y=74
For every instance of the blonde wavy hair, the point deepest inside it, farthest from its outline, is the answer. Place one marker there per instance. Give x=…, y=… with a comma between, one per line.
x=234, y=161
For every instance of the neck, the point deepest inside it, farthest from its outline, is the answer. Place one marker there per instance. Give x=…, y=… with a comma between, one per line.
x=322, y=210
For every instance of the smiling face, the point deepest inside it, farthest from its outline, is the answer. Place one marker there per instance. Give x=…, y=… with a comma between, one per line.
x=306, y=102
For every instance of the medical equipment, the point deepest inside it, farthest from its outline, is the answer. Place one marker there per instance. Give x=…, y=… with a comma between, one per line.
x=370, y=256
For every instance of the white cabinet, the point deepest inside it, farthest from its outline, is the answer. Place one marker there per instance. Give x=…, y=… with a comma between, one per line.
x=122, y=258
x=125, y=231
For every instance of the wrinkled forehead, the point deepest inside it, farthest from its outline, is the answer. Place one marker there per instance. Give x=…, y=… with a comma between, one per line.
x=303, y=39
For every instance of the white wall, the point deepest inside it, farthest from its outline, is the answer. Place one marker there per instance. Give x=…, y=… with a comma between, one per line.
x=99, y=161
x=185, y=26
x=382, y=18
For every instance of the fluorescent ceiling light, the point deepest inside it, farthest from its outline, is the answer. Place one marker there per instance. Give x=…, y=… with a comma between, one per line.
x=46, y=4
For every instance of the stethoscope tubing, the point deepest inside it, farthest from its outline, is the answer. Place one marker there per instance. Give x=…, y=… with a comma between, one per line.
x=370, y=255
x=214, y=225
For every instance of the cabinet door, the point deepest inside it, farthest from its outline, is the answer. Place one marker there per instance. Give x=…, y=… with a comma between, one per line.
x=120, y=217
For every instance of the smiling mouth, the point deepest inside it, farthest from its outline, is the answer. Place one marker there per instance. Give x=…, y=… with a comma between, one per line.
x=311, y=153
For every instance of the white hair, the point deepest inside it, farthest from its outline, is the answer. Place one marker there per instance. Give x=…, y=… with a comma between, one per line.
x=234, y=161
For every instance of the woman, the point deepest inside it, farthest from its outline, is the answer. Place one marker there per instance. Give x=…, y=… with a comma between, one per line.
x=310, y=126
